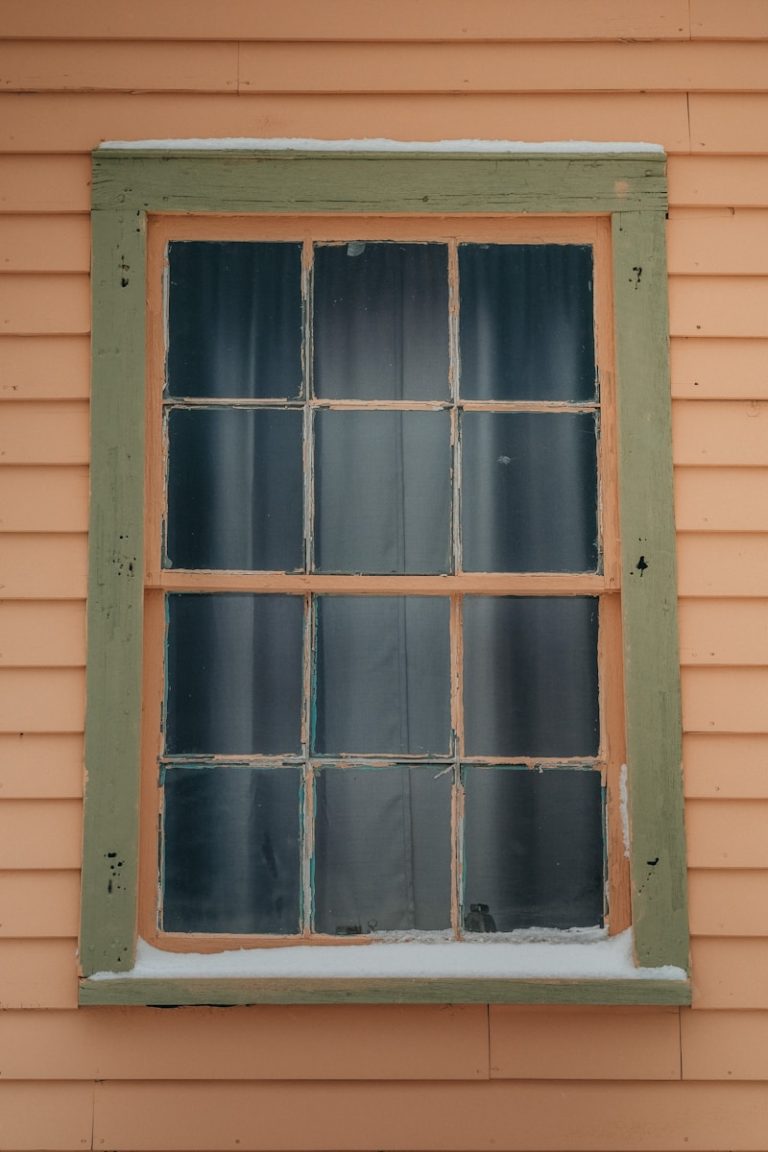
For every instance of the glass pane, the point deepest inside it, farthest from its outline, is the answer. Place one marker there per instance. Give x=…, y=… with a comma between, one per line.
x=234, y=674
x=529, y=492
x=530, y=676
x=382, y=675
x=382, y=850
x=381, y=321
x=234, y=319
x=533, y=849
x=231, y=857
x=526, y=323
x=235, y=489
x=383, y=492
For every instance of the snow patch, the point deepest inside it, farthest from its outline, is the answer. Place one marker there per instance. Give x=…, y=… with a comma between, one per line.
x=624, y=808
x=298, y=144
x=575, y=955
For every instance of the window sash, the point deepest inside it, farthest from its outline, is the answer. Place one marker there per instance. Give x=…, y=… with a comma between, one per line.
x=164, y=231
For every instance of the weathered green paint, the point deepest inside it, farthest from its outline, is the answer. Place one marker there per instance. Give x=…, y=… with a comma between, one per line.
x=632, y=189
x=419, y=183
x=165, y=992
x=115, y=593
x=649, y=591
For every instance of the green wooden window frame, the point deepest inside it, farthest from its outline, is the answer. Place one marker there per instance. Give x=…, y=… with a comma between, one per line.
x=630, y=188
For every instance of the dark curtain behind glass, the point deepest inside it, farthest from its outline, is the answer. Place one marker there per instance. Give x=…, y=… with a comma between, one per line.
x=381, y=321
x=231, y=855
x=527, y=322
x=234, y=319
x=382, y=663
x=382, y=849
x=533, y=847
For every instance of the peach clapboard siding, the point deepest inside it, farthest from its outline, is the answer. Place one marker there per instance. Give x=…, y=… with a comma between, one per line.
x=691, y=76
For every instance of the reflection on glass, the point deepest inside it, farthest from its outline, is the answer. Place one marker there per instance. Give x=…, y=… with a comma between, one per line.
x=234, y=673
x=235, y=485
x=530, y=676
x=533, y=847
x=526, y=322
x=234, y=323
x=529, y=492
x=381, y=321
x=382, y=675
x=382, y=850
x=382, y=491
x=230, y=852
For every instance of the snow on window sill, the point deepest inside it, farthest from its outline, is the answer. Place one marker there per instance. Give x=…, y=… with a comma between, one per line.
x=580, y=954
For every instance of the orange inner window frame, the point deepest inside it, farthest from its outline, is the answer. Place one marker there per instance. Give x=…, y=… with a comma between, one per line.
x=158, y=581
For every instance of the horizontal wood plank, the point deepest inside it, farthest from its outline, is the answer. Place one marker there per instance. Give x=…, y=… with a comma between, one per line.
x=730, y=973
x=222, y=992
x=44, y=567
x=51, y=1116
x=338, y=1042
x=44, y=304
x=740, y=20
x=40, y=834
x=42, y=635
x=727, y=181
x=49, y=499
x=501, y=67
x=721, y=369
x=42, y=699
x=724, y=1045
x=39, y=904
x=45, y=184
x=584, y=1044
x=93, y=66
x=34, y=765
x=726, y=124
x=716, y=632
x=45, y=243
x=726, y=765
x=726, y=833
x=720, y=432
x=728, y=903
x=721, y=499
x=497, y=1116
x=74, y=122
x=45, y=432
x=712, y=564
x=38, y=974
x=353, y=20
x=725, y=699
x=722, y=306
x=44, y=367
x=717, y=241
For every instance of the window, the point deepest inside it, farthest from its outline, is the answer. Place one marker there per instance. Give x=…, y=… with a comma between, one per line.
x=403, y=558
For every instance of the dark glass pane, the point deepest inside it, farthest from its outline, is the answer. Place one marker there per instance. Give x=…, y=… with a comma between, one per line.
x=382, y=850
x=383, y=675
x=383, y=492
x=530, y=676
x=526, y=326
x=234, y=323
x=235, y=489
x=533, y=848
x=231, y=858
x=529, y=492
x=381, y=321
x=234, y=674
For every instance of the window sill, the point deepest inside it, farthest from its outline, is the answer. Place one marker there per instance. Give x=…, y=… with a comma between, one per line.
x=572, y=968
